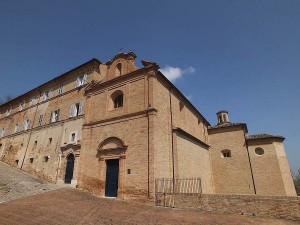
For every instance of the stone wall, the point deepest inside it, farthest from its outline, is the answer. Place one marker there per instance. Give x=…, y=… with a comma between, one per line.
x=267, y=206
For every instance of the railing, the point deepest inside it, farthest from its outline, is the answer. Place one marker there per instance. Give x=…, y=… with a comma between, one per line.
x=165, y=188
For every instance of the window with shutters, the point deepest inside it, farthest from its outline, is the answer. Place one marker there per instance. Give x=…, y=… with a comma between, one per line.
x=22, y=105
x=2, y=132
x=33, y=101
x=81, y=80
x=54, y=116
x=46, y=95
x=41, y=118
x=60, y=89
x=27, y=124
x=8, y=111
x=76, y=109
x=17, y=128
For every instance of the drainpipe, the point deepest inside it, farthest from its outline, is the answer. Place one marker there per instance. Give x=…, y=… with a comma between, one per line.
x=250, y=164
x=37, y=105
x=171, y=115
x=148, y=138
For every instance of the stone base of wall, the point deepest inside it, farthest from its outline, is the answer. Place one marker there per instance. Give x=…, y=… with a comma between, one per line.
x=265, y=206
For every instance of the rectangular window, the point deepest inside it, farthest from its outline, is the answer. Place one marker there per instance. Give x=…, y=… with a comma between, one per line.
x=54, y=116
x=27, y=124
x=31, y=160
x=76, y=109
x=73, y=135
x=81, y=80
x=50, y=141
x=35, y=144
x=60, y=89
x=22, y=105
x=41, y=117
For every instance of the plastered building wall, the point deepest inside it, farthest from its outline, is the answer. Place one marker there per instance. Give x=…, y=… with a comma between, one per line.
x=38, y=149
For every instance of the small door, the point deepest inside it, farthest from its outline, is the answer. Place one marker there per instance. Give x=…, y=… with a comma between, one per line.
x=112, y=178
x=69, y=169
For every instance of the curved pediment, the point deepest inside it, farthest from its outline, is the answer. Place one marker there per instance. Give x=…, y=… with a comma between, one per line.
x=112, y=143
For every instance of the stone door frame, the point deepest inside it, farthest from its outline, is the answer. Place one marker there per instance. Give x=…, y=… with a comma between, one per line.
x=65, y=152
x=112, y=148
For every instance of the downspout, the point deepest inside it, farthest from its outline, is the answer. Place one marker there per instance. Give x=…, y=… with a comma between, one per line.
x=148, y=138
x=172, y=140
x=37, y=105
x=250, y=164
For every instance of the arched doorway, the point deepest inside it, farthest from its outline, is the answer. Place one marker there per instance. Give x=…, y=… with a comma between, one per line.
x=112, y=155
x=69, y=169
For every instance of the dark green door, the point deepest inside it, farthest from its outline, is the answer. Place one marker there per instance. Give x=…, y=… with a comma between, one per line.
x=112, y=178
x=69, y=169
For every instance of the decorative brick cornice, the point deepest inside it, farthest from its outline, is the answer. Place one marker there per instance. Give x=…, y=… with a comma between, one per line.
x=144, y=112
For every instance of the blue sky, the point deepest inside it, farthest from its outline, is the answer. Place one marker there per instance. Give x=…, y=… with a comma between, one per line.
x=241, y=55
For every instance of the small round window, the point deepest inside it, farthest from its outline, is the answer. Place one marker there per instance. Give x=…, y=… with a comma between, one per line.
x=259, y=151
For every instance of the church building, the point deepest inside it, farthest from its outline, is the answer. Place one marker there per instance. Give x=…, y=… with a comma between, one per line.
x=114, y=129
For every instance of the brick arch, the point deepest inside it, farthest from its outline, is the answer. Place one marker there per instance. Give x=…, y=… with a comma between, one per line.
x=112, y=143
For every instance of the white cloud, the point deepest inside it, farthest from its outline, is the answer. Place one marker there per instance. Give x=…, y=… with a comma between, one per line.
x=173, y=73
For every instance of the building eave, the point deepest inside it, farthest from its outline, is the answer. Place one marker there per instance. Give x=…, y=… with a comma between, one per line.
x=94, y=60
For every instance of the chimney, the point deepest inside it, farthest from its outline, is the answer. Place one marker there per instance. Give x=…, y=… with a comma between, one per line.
x=222, y=117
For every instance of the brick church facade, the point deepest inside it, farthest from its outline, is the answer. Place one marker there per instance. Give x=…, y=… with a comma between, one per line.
x=112, y=128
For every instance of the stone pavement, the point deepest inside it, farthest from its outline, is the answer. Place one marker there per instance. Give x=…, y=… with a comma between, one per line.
x=51, y=204
x=69, y=206
x=15, y=184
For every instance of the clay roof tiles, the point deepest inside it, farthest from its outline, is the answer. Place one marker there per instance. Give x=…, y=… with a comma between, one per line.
x=263, y=136
x=225, y=125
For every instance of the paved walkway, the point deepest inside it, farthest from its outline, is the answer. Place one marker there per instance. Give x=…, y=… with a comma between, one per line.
x=74, y=207
x=51, y=204
x=15, y=184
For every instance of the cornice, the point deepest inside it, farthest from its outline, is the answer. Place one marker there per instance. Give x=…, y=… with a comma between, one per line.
x=145, y=112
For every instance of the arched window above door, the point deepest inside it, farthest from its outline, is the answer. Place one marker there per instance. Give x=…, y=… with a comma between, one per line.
x=116, y=100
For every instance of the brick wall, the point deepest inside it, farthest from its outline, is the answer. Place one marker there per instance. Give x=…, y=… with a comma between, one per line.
x=232, y=175
x=271, y=171
x=266, y=206
x=192, y=161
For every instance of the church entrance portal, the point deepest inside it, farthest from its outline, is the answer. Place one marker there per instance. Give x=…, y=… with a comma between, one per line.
x=112, y=178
